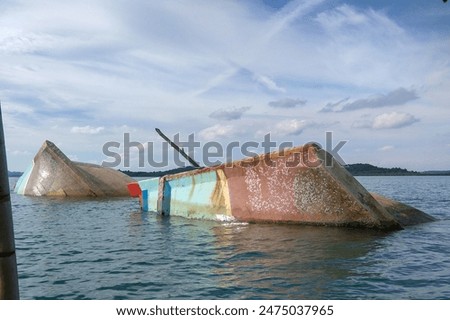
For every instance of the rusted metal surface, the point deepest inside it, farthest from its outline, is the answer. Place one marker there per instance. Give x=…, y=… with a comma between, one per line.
x=403, y=213
x=294, y=186
x=53, y=174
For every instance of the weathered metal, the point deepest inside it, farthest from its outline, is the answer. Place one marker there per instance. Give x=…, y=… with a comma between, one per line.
x=9, y=285
x=203, y=195
x=292, y=186
x=52, y=173
x=403, y=213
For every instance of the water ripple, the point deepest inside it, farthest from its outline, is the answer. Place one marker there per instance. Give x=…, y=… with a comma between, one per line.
x=105, y=249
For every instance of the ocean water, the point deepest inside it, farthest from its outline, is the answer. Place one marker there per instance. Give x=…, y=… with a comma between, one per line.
x=108, y=249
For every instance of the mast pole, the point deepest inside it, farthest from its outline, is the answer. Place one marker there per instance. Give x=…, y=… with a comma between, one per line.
x=177, y=148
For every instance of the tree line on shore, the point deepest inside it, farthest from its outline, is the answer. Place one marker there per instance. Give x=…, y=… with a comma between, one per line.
x=357, y=169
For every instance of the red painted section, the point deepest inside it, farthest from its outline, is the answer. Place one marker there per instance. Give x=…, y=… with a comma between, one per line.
x=296, y=186
x=264, y=190
x=134, y=189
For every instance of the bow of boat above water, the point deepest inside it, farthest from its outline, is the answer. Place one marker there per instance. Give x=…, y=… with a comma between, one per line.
x=52, y=173
x=303, y=185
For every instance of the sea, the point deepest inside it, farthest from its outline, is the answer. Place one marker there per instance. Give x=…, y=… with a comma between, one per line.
x=109, y=249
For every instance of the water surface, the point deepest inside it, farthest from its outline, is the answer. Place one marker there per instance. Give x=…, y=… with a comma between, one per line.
x=108, y=249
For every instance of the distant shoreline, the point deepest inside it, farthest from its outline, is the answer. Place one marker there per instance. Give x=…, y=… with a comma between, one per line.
x=14, y=173
x=364, y=169
x=357, y=169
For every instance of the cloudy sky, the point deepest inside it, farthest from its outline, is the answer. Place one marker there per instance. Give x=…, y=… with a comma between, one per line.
x=82, y=73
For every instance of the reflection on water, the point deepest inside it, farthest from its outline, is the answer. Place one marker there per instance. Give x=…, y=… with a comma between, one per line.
x=289, y=260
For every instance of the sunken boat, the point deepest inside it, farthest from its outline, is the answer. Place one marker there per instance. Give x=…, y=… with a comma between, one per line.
x=52, y=173
x=303, y=185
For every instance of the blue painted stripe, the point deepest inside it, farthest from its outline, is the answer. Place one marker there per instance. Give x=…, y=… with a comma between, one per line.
x=151, y=188
x=145, y=200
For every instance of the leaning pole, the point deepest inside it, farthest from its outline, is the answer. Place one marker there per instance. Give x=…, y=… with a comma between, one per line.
x=9, y=285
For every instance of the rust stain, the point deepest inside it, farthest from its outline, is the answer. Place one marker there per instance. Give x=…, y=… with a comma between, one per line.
x=295, y=186
x=191, y=193
x=220, y=196
x=290, y=186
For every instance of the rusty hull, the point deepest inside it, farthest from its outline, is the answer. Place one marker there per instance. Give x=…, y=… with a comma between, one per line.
x=292, y=186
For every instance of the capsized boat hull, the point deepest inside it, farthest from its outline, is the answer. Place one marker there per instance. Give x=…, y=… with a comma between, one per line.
x=52, y=173
x=300, y=185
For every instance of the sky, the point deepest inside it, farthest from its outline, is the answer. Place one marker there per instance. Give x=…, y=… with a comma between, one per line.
x=84, y=73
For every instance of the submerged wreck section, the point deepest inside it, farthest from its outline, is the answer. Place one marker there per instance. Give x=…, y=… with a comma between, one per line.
x=302, y=185
x=52, y=173
x=403, y=213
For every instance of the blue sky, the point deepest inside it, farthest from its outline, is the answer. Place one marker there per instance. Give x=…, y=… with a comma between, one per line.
x=82, y=73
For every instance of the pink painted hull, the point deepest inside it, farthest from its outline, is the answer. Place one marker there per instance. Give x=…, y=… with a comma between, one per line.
x=295, y=186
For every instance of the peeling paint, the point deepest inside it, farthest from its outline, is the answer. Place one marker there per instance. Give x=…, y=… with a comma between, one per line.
x=203, y=195
x=292, y=186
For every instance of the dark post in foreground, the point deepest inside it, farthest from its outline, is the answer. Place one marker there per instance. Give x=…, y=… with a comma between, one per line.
x=9, y=285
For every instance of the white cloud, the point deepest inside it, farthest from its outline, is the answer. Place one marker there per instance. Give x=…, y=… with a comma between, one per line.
x=163, y=64
x=387, y=148
x=217, y=131
x=390, y=120
x=348, y=17
x=291, y=127
x=292, y=11
x=268, y=83
x=87, y=130
x=229, y=113
x=393, y=120
x=19, y=42
x=367, y=42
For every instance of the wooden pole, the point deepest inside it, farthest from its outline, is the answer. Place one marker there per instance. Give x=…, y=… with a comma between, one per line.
x=9, y=285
